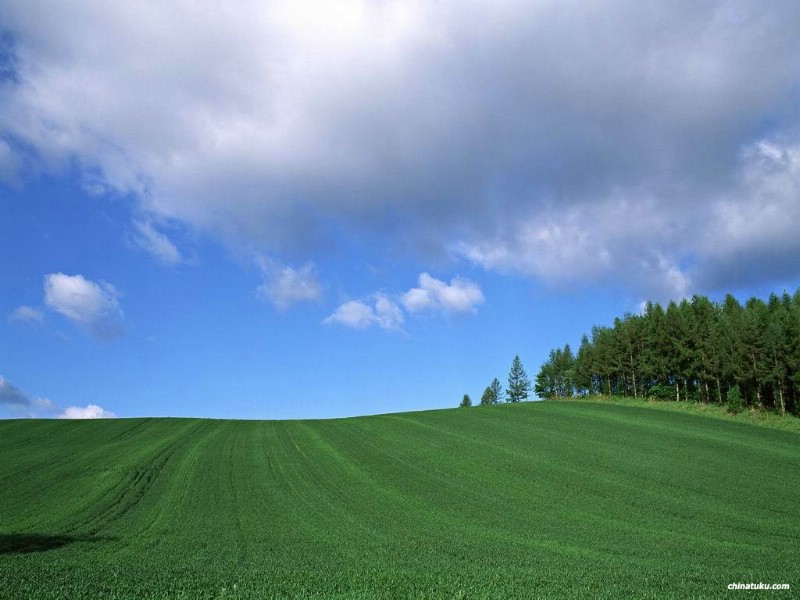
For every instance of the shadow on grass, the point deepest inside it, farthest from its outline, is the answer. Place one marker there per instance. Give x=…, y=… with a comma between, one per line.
x=20, y=543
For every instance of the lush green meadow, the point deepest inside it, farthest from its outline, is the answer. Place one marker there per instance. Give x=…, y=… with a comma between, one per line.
x=545, y=499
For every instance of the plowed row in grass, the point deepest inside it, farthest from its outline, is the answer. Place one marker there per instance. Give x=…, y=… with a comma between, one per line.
x=533, y=500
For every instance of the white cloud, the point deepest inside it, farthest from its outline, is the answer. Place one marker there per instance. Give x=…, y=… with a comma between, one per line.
x=380, y=312
x=769, y=209
x=460, y=295
x=157, y=244
x=284, y=285
x=433, y=295
x=626, y=239
x=565, y=140
x=90, y=411
x=27, y=315
x=92, y=306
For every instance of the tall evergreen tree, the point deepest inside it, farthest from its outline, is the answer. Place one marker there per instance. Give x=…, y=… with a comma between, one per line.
x=546, y=380
x=519, y=386
x=584, y=379
x=466, y=401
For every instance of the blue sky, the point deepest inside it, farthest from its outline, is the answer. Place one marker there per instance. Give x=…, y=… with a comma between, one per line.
x=298, y=212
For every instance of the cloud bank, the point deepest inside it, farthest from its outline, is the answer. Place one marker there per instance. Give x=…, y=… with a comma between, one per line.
x=651, y=144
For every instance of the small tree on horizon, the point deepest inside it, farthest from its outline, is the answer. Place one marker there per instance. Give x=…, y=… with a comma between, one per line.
x=519, y=386
x=492, y=394
x=487, y=398
x=466, y=401
x=497, y=390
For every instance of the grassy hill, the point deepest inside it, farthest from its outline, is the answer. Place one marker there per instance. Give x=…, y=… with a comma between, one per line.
x=546, y=499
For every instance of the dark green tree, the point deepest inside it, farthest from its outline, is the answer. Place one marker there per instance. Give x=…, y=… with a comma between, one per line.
x=545, y=386
x=466, y=401
x=734, y=399
x=694, y=350
x=488, y=397
x=519, y=386
x=492, y=394
x=497, y=390
x=583, y=370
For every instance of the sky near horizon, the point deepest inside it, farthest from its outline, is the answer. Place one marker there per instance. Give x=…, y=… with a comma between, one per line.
x=310, y=210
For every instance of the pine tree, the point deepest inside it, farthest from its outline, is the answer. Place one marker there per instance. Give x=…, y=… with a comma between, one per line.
x=466, y=401
x=584, y=377
x=497, y=390
x=491, y=395
x=692, y=350
x=487, y=398
x=519, y=386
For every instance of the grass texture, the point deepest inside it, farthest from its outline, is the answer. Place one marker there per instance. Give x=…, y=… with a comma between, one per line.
x=536, y=500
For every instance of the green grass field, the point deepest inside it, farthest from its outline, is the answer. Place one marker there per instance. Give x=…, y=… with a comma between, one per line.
x=545, y=499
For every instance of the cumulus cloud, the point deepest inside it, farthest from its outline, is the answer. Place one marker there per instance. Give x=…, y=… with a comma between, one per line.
x=155, y=243
x=26, y=315
x=284, y=285
x=90, y=411
x=564, y=140
x=433, y=294
x=378, y=311
x=18, y=404
x=91, y=306
x=756, y=225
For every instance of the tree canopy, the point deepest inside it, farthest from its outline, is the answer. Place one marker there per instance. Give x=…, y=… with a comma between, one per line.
x=694, y=350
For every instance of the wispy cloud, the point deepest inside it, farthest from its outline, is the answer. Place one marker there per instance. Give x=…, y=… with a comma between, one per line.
x=91, y=306
x=285, y=286
x=9, y=165
x=155, y=243
x=26, y=315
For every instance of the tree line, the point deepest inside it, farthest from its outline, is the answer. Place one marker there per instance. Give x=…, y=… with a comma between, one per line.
x=519, y=387
x=694, y=350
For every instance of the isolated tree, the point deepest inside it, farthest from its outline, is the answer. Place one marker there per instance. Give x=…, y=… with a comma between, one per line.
x=466, y=401
x=519, y=386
